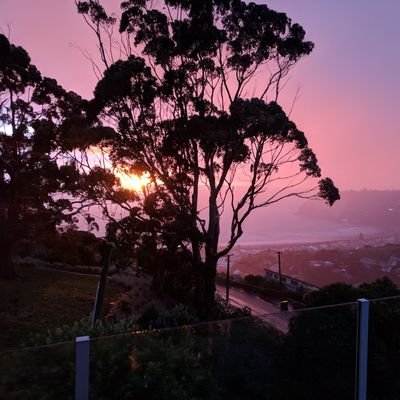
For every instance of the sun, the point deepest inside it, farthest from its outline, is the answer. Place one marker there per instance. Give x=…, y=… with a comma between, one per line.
x=133, y=182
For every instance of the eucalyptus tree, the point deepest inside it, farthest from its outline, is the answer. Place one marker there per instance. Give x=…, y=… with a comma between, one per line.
x=40, y=123
x=191, y=90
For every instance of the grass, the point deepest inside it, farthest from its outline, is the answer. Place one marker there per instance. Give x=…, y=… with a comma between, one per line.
x=40, y=299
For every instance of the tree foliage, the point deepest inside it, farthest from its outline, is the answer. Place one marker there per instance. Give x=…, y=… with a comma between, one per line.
x=41, y=185
x=198, y=111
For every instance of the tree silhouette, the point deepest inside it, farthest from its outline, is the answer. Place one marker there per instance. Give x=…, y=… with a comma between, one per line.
x=197, y=110
x=39, y=124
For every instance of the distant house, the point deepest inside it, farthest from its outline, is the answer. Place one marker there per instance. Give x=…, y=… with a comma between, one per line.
x=369, y=262
x=293, y=284
x=237, y=274
x=319, y=263
x=315, y=264
x=394, y=261
x=391, y=263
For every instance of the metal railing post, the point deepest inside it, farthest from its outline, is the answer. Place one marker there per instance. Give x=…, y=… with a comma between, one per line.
x=362, y=349
x=82, y=368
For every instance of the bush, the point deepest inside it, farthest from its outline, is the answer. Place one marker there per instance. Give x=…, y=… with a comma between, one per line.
x=82, y=327
x=157, y=316
x=224, y=310
x=154, y=366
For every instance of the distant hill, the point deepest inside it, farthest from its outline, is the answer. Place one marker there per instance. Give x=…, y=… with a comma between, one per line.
x=293, y=220
x=379, y=209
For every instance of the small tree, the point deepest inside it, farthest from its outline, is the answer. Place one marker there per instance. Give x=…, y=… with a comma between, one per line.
x=198, y=111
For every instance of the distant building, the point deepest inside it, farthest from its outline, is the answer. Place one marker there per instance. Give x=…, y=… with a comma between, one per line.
x=293, y=284
x=391, y=263
x=368, y=262
x=315, y=264
x=328, y=264
x=394, y=261
x=319, y=263
x=237, y=274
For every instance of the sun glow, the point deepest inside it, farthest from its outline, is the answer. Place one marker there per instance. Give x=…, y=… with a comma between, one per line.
x=133, y=182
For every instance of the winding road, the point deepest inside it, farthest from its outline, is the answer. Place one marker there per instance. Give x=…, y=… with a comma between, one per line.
x=268, y=312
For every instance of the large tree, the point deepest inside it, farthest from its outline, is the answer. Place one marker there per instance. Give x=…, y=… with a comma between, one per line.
x=40, y=124
x=191, y=90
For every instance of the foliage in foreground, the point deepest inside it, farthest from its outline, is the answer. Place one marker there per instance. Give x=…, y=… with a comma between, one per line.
x=204, y=361
x=317, y=357
x=231, y=359
x=83, y=327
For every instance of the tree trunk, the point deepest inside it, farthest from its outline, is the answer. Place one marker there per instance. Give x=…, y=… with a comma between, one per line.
x=7, y=270
x=101, y=286
x=8, y=220
x=205, y=273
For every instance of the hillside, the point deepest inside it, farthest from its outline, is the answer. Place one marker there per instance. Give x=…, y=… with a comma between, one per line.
x=349, y=261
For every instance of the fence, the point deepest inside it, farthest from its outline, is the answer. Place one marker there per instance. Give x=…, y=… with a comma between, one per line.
x=347, y=351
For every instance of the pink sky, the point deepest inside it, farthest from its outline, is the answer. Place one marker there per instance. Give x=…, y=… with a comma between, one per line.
x=349, y=86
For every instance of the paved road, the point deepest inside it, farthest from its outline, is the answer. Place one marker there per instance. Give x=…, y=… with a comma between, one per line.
x=267, y=311
x=259, y=307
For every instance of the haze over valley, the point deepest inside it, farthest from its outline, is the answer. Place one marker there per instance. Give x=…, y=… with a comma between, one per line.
x=366, y=212
x=357, y=240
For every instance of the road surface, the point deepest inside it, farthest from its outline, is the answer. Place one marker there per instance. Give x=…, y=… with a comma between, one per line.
x=259, y=307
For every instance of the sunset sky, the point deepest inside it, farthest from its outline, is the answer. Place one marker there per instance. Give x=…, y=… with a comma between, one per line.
x=349, y=86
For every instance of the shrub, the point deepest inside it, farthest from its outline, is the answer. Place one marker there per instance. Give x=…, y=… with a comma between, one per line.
x=82, y=327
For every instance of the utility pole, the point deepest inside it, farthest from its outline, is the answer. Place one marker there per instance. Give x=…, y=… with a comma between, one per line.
x=280, y=272
x=228, y=257
x=101, y=285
